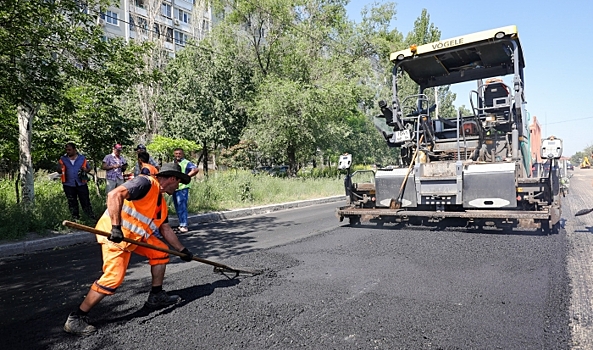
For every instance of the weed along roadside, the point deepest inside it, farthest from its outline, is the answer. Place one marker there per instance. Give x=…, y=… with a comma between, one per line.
x=221, y=196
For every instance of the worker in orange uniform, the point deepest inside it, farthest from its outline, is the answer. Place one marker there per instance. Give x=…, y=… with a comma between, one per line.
x=144, y=164
x=135, y=210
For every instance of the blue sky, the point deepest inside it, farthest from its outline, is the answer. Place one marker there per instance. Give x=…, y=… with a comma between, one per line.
x=557, y=42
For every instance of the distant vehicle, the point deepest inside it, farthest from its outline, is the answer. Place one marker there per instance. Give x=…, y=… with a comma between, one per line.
x=261, y=169
x=280, y=171
x=546, y=169
x=569, y=166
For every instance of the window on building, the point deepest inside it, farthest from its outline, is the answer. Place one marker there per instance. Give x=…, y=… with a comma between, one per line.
x=205, y=26
x=166, y=10
x=142, y=23
x=84, y=7
x=132, y=23
x=182, y=16
x=139, y=3
x=180, y=38
x=110, y=17
x=169, y=35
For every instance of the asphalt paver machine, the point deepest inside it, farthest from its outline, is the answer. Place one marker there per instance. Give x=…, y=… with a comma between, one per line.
x=473, y=167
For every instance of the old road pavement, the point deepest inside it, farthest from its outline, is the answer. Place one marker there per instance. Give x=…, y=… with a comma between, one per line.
x=325, y=286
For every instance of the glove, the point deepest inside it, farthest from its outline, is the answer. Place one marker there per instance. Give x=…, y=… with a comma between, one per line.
x=116, y=235
x=188, y=255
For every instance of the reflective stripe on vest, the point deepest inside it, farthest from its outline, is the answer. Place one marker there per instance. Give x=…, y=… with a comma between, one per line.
x=142, y=217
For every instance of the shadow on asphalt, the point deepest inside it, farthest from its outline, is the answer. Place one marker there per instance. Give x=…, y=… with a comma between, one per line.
x=588, y=229
x=474, y=230
x=41, y=289
x=187, y=296
x=222, y=238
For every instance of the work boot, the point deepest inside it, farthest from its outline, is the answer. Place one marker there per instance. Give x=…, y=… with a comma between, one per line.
x=160, y=299
x=79, y=325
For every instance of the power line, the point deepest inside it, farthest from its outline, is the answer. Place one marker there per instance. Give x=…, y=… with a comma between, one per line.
x=571, y=120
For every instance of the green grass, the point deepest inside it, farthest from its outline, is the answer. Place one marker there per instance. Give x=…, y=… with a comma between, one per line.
x=50, y=208
x=220, y=191
x=241, y=189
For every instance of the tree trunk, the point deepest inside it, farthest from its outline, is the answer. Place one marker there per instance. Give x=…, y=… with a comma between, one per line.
x=25, y=120
x=205, y=154
x=16, y=188
x=200, y=158
x=291, y=161
x=96, y=180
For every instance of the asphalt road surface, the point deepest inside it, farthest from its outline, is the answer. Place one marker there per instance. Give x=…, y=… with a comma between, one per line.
x=325, y=286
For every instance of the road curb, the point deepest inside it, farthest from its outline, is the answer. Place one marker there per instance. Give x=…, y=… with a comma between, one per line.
x=240, y=213
x=78, y=237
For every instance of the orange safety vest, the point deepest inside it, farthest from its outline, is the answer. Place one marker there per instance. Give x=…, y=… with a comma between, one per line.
x=63, y=166
x=150, y=168
x=139, y=218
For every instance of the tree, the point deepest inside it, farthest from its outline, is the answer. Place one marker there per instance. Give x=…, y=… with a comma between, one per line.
x=240, y=156
x=143, y=99
x=88, y=113
x=42, y=43
x=140, y=102
x=162, y=147
x=205, y=92
x=373, y=40
x=9, y=155
x=312, y=69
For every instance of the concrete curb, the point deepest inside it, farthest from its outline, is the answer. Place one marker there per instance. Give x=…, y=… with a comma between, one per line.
x=240, y=213
x=77, y=237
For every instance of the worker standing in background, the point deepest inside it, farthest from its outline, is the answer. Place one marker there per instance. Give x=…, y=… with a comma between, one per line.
x=74, y=169
x=145, y=167
x=182, y=194
x=115, y=164
x=142, y=149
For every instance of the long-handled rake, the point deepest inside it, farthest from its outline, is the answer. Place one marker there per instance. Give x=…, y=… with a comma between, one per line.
x=398, y=201
x=218, y=268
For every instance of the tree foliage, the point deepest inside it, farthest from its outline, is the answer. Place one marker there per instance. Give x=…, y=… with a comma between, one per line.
x=162, y=147
x=42, y=43
x=313, y=69
x=295, y=80
x=92, y=100
x=205, y=92
x=240, y=156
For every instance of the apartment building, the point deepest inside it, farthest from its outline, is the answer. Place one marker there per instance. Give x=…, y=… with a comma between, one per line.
x=170, y=22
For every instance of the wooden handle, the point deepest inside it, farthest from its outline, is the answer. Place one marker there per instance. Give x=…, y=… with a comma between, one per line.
x=142, y=244
x=401, y=188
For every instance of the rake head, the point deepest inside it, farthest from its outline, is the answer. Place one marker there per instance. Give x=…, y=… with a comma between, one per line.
x=583, y=212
